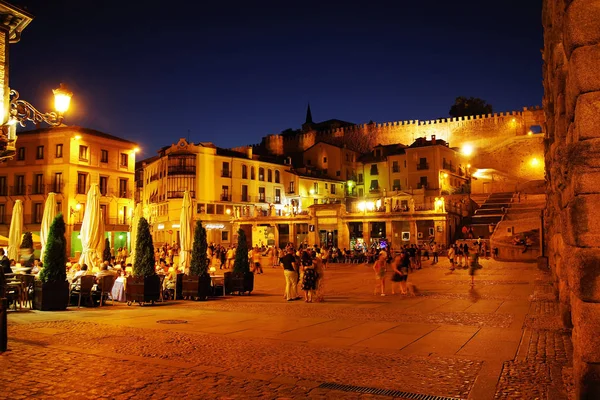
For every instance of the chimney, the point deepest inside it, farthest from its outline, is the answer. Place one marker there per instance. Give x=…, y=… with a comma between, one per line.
x=249, y=152
x=432, y=139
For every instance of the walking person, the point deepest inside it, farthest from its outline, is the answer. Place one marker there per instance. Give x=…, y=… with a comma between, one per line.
x=288, y=262
x=466, y=254
x=380, y=269
x=400, y=266
x=434, y=250
x=256, y=260
x=473, y=265
x=309, y=278
x=451, y=252
x=458, y=255
x=320, y=265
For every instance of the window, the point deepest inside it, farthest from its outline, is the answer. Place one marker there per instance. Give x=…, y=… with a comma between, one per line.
x=324, y=160
x=422, y=183
x=123, y=188
x=58, y=207
x=200, y=208
x=292, y=189
x=332, y=188
x=104, y=156
x=404, y=163
x=316, y=201
x=225, y=193
x=59, y=148
x=277, y=178
x=224, y=236
x=103, y=185
x=338, y=173
x=252, y=175
x=360, y=178
x=244, y=172
x=270, y=175
x=422, y=164
x=2, y=213
x=395, y=167
x=103, y=213
x=210, y=208
x=374, y=170
x=326, y=186
x=38, y=184
x=123, y=215
x=245, y=193
x=261, y=194
x=124, y=160
x=261, y=174
x=277, y=196
x=21, y=154
x=361, y=192
x=57, y=182
x=83, y=153
x=3, y=186
x=374, y=185
x=40, y=153
x=308, y=162
x=81, y=183
x=225, y=171
x=20, y=185
x=38, y=212
x=396, y=185
x=220, y=209
x=316, y=187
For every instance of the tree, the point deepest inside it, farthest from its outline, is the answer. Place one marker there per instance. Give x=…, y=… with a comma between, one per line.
x=55, y=254
x=241, y=263
x=199, y=261
x=144, y=251
x=27, y=242
x=463, y=107
x=106, y=253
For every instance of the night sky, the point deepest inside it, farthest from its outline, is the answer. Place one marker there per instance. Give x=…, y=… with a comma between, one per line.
x=231, y=72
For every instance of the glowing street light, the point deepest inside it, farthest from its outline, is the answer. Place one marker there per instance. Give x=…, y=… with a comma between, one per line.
x=535, y=162
x=22, y=111
x=62, y=99
x=467, y=150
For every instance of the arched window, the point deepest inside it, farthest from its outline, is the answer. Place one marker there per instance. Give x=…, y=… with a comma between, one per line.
x=277, y=176
x=244, y=172
x=270, y=175
x=261, y=174
x=252, y=174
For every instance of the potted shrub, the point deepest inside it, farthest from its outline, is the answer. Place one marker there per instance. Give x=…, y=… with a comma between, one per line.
x=106, y=253
x=241, y=280
x=51, y=291
x=26, y=250
x=197, y=283
x=144, y=285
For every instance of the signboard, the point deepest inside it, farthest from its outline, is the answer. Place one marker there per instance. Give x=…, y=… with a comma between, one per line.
x=405, y=236
x=214, y=226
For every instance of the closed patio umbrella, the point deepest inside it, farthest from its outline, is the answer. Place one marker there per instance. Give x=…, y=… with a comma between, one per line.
x=101, y=242
x=137, y=214
x=47, y=219
x=185, y=232
x=15, y=232
x=91, y=229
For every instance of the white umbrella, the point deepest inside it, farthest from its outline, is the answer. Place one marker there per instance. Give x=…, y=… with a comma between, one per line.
x=185, y=232
x=90, y=228
x=47, y=219
x=137, y=214
x=101, y=242
x=15, y=233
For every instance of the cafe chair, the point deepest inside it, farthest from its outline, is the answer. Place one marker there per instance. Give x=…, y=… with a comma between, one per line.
x=27, y=284
x=84, y=289
x=105, y=287
x=14, y=294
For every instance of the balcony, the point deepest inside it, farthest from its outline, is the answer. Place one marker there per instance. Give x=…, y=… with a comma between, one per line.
x=81, y=189
x=178, y=194
x=3, y=190
x=225, y=173
x=225, y=197
x=245, y=198
x=20, y=190
x=422, y=185
x=375, y=190
x=38, y=189
x=57, y=188
x=180, y=170
x=449, y=167
x=124, y=194
x=422, y=166
x=290, y=191
x=395, y=169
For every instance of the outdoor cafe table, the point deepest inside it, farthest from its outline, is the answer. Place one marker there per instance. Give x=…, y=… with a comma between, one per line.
x=218, y=278
x=118, y=290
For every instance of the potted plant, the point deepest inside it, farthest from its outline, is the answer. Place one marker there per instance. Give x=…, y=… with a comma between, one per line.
x=144, y=285
x=241, y=280
x=197, y=283
x=106, y=253
x=51, y=291
x=26, y=250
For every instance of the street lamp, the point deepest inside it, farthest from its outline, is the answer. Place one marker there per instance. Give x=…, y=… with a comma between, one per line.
x=22, y=111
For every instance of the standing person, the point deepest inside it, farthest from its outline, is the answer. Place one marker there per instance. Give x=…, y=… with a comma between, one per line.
x=451, y=252
x=230, y=257
x=309, y=277
x=288, y=262
x=458, y=254
x=473, y=265
x=419, y=257
x=434, y=250
x=466, y=254
x=319, y=265
x=426, y=250
x=412, y=253
x=380, y=270
x=400, y=266
x=256, y=260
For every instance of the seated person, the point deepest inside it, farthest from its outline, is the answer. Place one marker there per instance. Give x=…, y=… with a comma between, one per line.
x=81, y=272
x=104, y=271
x=37, y=266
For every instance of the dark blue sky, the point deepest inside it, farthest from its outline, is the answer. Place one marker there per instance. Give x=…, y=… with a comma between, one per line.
x=231, y=72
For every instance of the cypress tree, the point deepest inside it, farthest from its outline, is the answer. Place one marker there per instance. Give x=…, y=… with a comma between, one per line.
x=27, y=242
x=106, y=253
x=55, y=254
x=144, y=251
x=241, y=263
x=199, y=261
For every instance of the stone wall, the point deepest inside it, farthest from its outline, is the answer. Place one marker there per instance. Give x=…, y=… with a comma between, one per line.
x=572, y=106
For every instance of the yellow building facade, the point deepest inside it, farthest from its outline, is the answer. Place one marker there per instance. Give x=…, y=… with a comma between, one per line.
x=66, y=161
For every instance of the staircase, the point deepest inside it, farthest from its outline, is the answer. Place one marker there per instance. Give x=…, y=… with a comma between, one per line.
x=489, y=214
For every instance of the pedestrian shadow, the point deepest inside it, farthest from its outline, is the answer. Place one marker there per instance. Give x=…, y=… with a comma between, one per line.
x=474, y=295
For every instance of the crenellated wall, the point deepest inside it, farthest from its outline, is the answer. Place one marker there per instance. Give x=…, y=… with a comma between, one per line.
x=572, y=217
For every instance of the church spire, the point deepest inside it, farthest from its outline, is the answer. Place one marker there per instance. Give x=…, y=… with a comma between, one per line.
x=309, y=119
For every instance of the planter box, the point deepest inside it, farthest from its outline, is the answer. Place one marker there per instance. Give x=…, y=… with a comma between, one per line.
x=196, y=287
x=50, y=296
x=239, y=282
x=143, y=290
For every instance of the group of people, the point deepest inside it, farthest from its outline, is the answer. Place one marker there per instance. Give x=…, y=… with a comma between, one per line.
x=305, y=268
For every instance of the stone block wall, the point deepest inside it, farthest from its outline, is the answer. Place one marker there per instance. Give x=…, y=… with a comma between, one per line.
x=572, y=155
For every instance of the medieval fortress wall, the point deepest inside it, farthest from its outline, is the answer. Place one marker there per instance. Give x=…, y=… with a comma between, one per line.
x=500, y=140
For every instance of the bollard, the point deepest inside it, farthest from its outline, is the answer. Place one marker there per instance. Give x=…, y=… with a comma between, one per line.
x=3, y=325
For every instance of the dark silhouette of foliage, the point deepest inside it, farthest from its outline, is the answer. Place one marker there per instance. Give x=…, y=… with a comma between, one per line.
x=241, y=263
x=463, y=107
x=55, y=254
x=144, y=251
x=199, y=261
x=27, y=242
x=106, y=253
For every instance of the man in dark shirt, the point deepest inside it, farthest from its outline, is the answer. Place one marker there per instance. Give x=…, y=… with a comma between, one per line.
x=288, y=262
x=4, y=262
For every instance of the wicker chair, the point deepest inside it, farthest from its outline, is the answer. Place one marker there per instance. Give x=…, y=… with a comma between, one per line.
x=105, y=288
x=84, y=289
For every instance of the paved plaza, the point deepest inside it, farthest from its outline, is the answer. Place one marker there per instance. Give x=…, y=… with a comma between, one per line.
x=500, y=340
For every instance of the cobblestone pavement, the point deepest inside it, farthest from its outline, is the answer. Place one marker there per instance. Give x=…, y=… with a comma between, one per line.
x=447, y=341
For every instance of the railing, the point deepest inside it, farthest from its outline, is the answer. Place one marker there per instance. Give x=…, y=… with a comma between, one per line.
x=225, y=197
x=422, y=185
x=422, y=166
x=290, y=191
x=277, y=200
x=395, y=169
x=118, y=221
x=37, y=189
x=225, y=173
x=374, y=190
x=352, y=178
x=245, y=198
x=449, y=167
x=57, y=188
x=182, y=170
x=178, y=194
x=81, y=189
x=18, y=190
